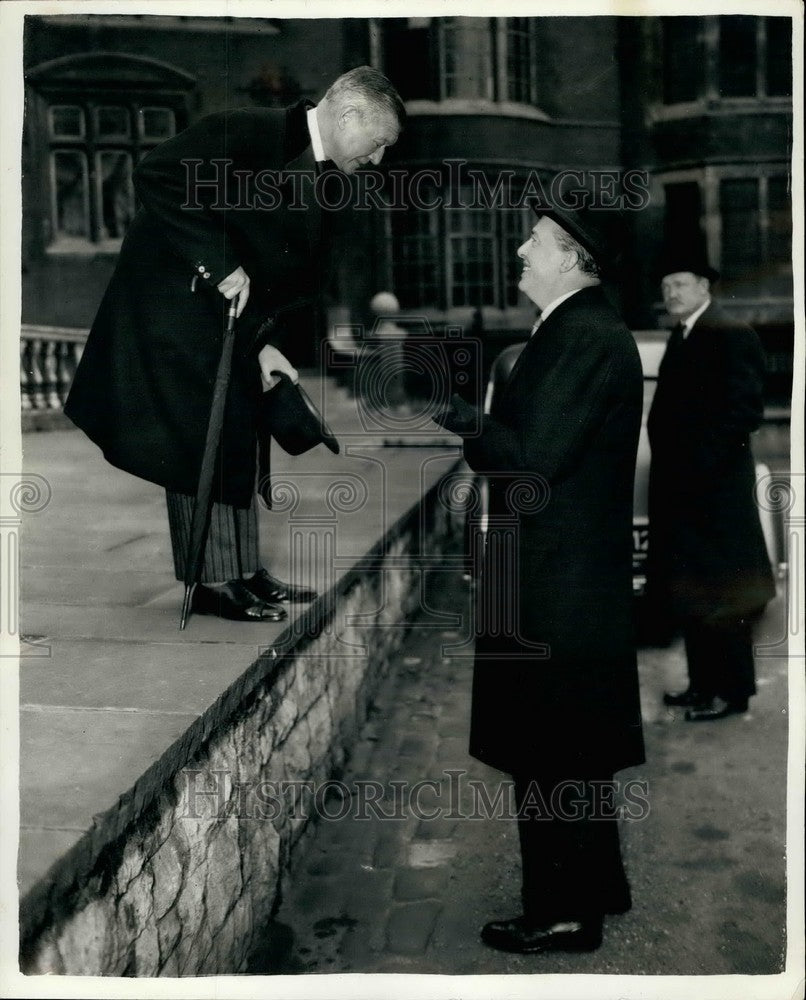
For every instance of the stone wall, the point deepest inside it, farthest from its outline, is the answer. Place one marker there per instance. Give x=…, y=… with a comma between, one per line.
x=177, y=878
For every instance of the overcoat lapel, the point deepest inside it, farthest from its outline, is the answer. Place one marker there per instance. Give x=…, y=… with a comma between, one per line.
x=310, y=216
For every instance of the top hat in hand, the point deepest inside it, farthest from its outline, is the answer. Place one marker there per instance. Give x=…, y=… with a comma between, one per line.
x=288, y=414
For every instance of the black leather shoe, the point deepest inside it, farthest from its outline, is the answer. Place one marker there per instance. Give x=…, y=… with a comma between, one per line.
x=717, y=709
x=686, y=699
x=233, y=601
x=268, y=588
x=518, y=935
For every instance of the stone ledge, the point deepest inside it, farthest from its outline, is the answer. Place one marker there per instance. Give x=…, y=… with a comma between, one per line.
x=141, y=893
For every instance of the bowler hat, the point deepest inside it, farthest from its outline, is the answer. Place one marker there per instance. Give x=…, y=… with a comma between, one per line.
x=288, y=414
x=598, y=230
x=691, y=258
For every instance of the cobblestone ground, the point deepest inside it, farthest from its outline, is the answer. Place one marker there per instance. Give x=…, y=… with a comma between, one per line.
x=410, y=894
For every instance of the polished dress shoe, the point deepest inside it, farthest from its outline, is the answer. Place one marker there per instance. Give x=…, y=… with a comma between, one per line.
x=268, y=588
x=235, y=602
x=686, y=699
x=718, y=708
x=519, y=935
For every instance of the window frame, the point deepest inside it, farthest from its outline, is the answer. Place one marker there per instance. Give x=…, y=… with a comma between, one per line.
x=710, y=178
x=504, y=239
x=89, y=81
x=92, y=146
x=709, y=40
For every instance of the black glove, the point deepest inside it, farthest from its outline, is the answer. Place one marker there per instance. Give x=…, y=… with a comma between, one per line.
x=459, y=417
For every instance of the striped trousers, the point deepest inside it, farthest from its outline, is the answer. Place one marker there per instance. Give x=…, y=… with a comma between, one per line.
x=232, y=546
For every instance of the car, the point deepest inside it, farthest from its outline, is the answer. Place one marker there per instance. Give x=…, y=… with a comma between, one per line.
x=651, y=346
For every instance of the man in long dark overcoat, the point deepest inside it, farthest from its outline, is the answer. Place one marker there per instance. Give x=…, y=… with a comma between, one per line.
x=228, y=212
x=708, y=568
x=555, y=688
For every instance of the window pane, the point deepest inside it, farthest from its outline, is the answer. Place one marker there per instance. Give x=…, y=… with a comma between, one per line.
x=66, y=122
x=681, y=45
x=682, y=212
x=737, y=55
x=416, y=257
x=157, y=123
x=407, y=56
x=116, y=194
x=779, y=57
x=779, y=207
x=112, y=123
x=471, y=255
x=741, y=233
x=466, y=57
x=70, y=194
x=520, y=57
x=516, y=224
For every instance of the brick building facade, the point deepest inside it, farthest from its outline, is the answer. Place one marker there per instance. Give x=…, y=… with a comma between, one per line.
x=702, y=104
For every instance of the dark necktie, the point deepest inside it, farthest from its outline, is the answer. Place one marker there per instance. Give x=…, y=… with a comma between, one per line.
x=676, y=339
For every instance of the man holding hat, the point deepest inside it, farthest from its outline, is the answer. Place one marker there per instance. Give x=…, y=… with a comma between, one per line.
x=708, y=568
x=201, y=240
x=555, y=687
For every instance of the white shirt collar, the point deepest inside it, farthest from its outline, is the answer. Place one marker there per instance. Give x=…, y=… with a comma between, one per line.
x=544, y=315
x=316, y=138
x=687, y=325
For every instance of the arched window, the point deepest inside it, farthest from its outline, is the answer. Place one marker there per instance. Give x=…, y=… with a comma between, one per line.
x=92, y=117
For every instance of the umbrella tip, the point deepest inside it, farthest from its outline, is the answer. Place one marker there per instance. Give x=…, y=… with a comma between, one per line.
x=186, y=606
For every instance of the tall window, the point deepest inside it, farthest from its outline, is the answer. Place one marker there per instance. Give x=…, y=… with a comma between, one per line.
x=731, y=56
x=682, y=213
x=755, y=56
x=514, y=227
x=409, y=45
x=416, y=264
x=521, y=60
x=466, y=57
x=681, y=53
x=471, y=58
x=458, y=257
x=93, y=150
x=471, y=257
x=778, y=56
x=741, y=226
x=756, y=223
x=89, y=119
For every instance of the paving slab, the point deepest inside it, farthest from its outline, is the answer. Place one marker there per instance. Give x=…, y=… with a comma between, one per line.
x=158, y=619
x=43, y=847
x=148, y=677
x=75, y=763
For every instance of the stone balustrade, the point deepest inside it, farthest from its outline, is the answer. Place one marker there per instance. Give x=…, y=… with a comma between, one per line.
x=48, y=359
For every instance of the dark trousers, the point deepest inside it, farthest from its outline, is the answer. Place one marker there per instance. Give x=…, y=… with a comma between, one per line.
x=572, y=868
x=232, y=541
x=720, y=659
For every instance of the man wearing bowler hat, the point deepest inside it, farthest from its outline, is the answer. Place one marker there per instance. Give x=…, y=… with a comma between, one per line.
x=220, y=222
x=707, y=568
x=555, y=688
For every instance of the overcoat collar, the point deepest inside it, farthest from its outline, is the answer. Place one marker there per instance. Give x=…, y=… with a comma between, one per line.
x=297, y=137
x=584, y=296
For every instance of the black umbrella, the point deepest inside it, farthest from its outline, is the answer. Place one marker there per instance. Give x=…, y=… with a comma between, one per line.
x=201, y=510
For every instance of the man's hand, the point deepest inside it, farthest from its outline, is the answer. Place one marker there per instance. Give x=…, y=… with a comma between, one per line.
x=236, y=285
x=459, y=417
x=272, y=360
